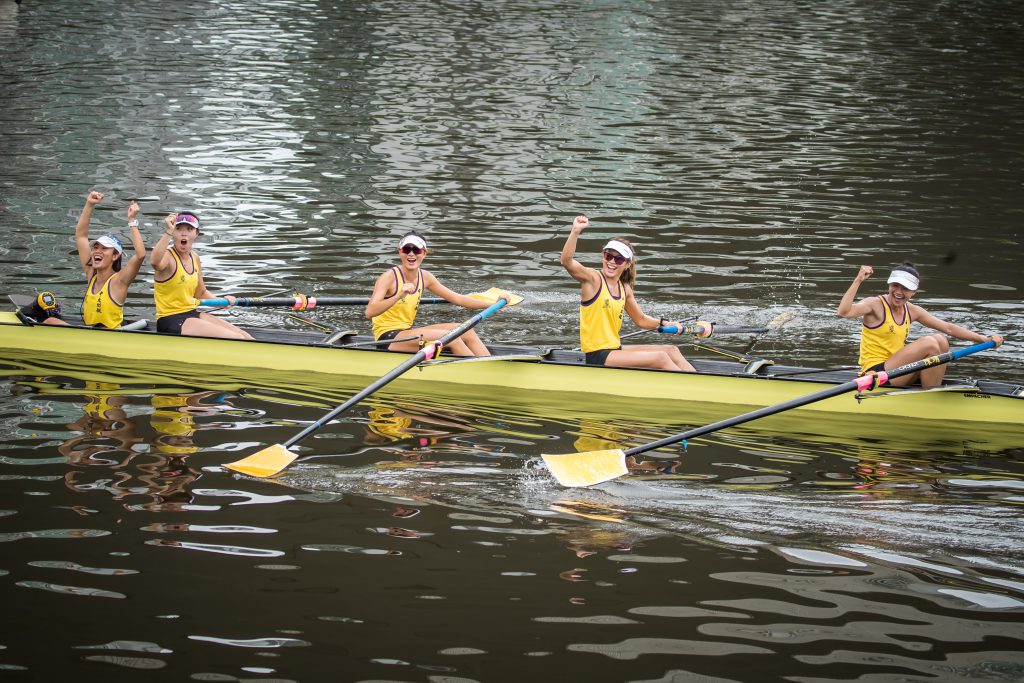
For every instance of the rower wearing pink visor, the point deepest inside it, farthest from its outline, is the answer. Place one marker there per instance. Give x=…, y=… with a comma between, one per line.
x=178, y=283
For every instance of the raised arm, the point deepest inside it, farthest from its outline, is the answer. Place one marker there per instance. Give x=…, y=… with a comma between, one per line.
x=82, y=232
x=580, y=272
x=159, y=258
x=130, y=269
x=847, y=307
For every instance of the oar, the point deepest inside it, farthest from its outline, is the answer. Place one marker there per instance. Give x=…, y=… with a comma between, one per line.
x=272, y=460
x=703, y=328
x=299, y=302
x=593, y=467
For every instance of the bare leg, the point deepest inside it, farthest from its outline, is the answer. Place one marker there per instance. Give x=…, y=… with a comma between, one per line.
x=207, y=325
x=468, y=344
x=656, y=356
x=919, y=349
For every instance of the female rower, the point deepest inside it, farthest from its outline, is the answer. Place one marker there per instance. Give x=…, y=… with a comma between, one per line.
x=396, y=297
x=886, y=326
x=178, y=283
x=104, y=265
x=605, y=294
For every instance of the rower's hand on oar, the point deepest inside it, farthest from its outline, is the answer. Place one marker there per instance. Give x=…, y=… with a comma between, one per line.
x=997, y=338
x=672, y=327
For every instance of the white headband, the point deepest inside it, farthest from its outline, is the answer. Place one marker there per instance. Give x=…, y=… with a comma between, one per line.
x=902, y=277
x=414, y=240
x=620, y=247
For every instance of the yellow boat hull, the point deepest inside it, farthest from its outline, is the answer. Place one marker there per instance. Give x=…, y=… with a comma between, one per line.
x=562, y=388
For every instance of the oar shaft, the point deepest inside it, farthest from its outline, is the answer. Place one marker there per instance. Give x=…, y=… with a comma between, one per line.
x=301, y=303
x=866, y=382
x=414, y=360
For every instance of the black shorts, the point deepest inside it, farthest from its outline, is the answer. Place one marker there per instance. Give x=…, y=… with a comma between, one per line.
x=171, y=324
x=877, y=367
x=390, y=334
x=600, y=356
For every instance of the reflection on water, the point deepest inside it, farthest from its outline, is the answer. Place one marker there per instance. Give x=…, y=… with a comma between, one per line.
x=759, y=545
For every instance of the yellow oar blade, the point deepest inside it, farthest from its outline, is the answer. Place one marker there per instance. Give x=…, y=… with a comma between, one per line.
x=493, y=294
x=586, y=469
x=265, y=463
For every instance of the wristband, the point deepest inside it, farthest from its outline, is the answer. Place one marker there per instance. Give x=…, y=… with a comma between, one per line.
x=133, y=223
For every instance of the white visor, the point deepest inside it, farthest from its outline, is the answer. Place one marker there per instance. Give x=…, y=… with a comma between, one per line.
x=620, y=247
x=110, y=242
x=902, y=277
x=414, y=240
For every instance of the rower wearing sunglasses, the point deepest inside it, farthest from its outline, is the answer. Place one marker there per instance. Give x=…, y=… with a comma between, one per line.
x=605, y=294
x=178, y=283
x=396, y=298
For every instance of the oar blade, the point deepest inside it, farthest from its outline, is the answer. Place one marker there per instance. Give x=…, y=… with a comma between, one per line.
x=265, y=463
x=493, y=294
x=586, y=469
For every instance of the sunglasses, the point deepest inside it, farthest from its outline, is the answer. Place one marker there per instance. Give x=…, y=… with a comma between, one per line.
x=411, y=249
x=610, y=255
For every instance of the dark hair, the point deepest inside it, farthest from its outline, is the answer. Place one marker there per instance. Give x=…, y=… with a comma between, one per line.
x=117, y=263
x=908, y=267
x=629, y=274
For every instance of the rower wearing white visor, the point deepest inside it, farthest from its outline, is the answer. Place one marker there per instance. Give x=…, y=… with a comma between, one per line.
x=108, y=272
x=604, y=294
x=885, y=328
x=396, y=298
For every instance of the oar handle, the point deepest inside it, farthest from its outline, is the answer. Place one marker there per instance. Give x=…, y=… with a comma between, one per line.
x=703, y=329
x=863, y=383
x=700, y=329
x=300, y=302
x=431, y=350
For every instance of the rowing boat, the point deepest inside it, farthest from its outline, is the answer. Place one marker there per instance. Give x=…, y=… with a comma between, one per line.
x=717, y=383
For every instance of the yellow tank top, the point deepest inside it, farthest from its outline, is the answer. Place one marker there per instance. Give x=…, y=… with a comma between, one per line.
x=878, y=344
x=99, y=308
x=403, y=313
x=177, y=294
x=601, y=319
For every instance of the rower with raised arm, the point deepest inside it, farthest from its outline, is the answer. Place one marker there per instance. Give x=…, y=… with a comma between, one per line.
x=108, y=274
x=396, y=297
x=885, y=327
x=104, y=265
x=604, y=295
x=178, y=283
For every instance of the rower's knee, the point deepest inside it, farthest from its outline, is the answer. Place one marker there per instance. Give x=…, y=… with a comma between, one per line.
x=937, y=343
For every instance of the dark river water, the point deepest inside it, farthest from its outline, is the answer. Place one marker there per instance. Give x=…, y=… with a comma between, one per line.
x=756, y=153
